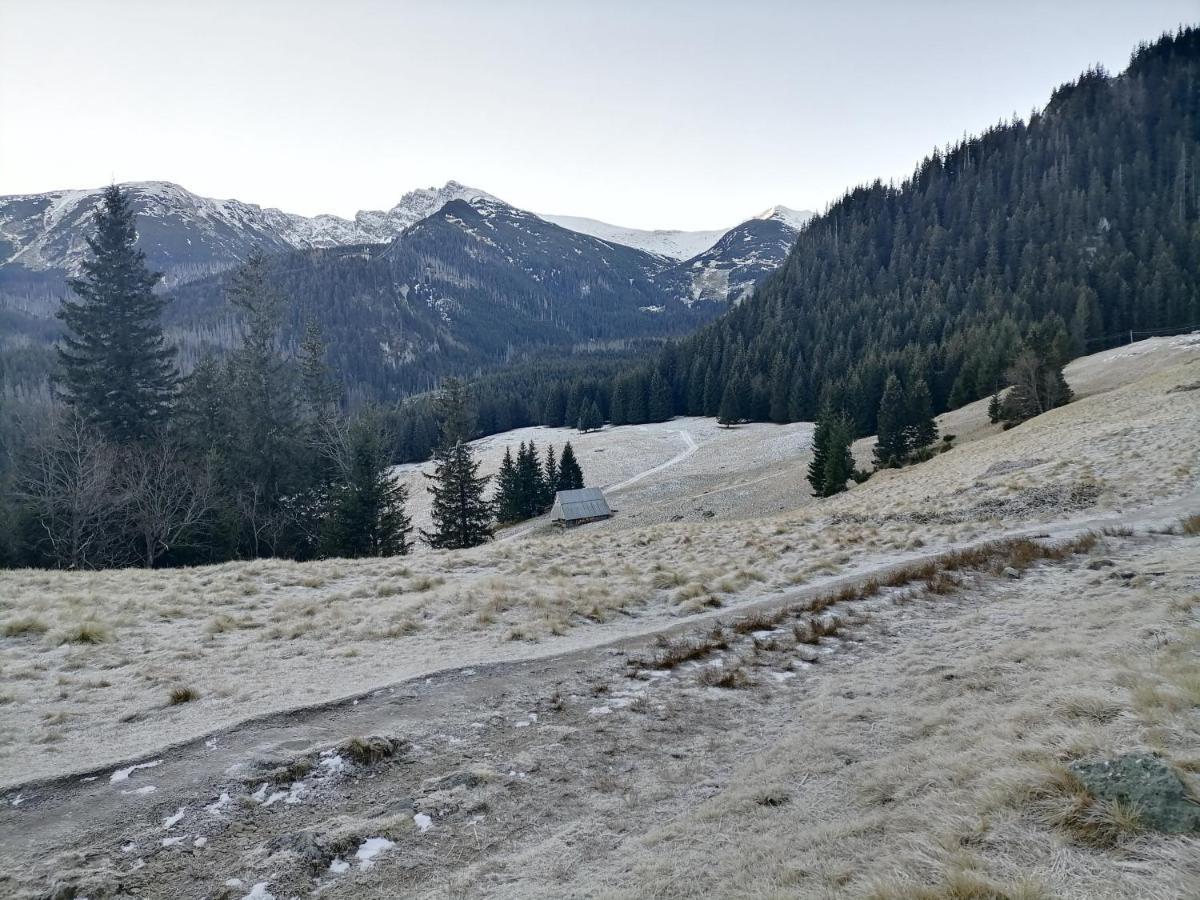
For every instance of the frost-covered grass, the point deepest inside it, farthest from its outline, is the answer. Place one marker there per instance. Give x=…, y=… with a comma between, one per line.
x=103, y=649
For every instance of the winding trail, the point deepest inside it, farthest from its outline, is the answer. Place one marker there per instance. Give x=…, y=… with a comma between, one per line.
x=690, y=448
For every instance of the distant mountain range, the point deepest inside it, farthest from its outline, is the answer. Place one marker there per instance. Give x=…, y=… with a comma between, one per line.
x=186, y=236
x=448, y=279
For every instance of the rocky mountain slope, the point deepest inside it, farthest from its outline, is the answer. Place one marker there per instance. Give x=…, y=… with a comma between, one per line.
x=447, y=280
x=185, y=236
x=477, y=283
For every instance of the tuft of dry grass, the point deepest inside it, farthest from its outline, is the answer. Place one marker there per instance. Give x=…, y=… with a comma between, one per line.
x=959, y=885
x=89, y=632
x=1059, y=800
x=367, y=751
x=1190, y=525
x=26, y=625
x=182, y=694
x=731, y=677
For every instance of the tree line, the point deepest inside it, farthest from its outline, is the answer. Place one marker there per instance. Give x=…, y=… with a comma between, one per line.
x=251, y=455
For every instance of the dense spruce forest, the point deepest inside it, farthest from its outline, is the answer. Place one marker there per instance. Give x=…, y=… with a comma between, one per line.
x=1082, y=223
x=1084, y=218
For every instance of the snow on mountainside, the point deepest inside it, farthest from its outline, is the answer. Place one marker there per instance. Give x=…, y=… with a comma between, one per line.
x=186, y=236
x=679, y=245
x=672, y=244
x=41, y=231
x=729, y=270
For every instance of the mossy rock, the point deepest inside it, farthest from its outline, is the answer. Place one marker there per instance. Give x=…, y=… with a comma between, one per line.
x=1147, y=784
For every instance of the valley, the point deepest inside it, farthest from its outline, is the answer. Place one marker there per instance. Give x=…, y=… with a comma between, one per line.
x=453, y=550
x=479, y=665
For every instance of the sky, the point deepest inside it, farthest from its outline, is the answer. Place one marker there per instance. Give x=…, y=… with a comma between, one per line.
x=648, y=114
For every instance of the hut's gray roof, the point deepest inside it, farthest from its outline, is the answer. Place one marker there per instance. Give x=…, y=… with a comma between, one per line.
x=585, y=503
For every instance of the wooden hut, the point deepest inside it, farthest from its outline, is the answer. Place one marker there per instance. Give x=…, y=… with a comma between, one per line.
x=576, y=507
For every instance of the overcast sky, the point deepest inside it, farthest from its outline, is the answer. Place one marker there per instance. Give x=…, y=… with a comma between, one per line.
x=651, y=114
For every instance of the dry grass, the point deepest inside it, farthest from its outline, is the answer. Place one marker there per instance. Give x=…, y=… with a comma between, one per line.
x=368, y=751
x=25, y=625
x=1059, y=800
x=89, y=632
x=182, y=694
x=732, y=676
x=260, y=634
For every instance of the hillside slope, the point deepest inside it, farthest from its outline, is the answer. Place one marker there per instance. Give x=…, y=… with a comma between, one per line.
x=939, y=711
x=1086, y=219
x=324, y=629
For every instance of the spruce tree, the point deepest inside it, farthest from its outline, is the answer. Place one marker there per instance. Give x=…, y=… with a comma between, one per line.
x=839, y=462
x=265, y=447
x=461, y=516
x=832, y=464
x=658, y=405
x=367, y=514
x=891, y=447
x=920, y=429
x=529, y=480
x=456, y=412
x=820, y=451
x=735, y=402
x=507, y=500
x=116, y=369
x=779, y=390
x=316, y=377
x=589, y=418
x=550, y=474
x=570, y=476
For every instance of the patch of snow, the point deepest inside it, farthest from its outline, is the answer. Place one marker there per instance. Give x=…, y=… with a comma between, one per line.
x=370, y=849
x=219, y=804
x=258, y=892
x=423, y=822
x=333, y=762
x=123, y=774
x=338, y=866
x=172, y=841
x=142, y=791
x=200, y=841
x=172, y=821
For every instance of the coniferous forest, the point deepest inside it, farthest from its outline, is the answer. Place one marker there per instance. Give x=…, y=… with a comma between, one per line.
x=1041, y=240
x=1002, y=257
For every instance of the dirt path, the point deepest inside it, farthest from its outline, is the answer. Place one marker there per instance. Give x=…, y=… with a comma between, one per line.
x=690, y=447
x=120, y=807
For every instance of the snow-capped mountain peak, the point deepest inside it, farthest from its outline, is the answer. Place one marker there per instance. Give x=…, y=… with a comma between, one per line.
x=794, y=218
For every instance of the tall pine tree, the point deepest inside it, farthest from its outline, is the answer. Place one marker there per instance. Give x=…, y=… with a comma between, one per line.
x=117, y=371
x=832, y=463
x=570, y=476
x=891, y=446
x=461, y=516
x=366, y=514
x=590, y=418
x=508, y=492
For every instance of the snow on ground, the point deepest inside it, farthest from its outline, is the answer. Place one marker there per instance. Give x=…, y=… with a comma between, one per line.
x=728, y=524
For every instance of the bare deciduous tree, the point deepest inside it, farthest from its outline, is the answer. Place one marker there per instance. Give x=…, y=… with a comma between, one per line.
x=165, y=497
x=69, y=482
